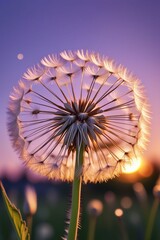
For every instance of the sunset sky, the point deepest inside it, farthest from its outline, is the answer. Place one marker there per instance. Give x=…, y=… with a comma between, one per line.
x=126, y=30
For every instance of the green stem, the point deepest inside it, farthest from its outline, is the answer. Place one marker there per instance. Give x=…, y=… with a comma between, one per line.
x=92, y=227
x=124, y=235
x=76, y=195
x=29, y=219
x=152, y=217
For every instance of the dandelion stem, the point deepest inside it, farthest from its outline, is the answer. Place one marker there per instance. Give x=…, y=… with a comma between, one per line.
x=151, y=221
x=29, y=219
x=76, y=195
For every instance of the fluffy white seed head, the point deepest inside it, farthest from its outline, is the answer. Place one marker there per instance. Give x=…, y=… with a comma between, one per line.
x=76, y=98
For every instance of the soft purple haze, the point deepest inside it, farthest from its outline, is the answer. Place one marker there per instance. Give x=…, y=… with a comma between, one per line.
x=125, y=30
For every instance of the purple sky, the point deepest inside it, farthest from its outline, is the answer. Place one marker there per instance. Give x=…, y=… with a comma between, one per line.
x=125, y=30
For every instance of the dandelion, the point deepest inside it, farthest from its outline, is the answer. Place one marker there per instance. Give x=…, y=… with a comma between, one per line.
x=78, y=117
x=119, y=215
x=94, y=208
x=30, y=205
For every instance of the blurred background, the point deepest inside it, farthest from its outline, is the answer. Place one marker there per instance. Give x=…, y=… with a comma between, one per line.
x=128, y=32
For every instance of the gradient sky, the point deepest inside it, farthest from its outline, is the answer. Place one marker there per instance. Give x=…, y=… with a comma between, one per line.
x=125, y=30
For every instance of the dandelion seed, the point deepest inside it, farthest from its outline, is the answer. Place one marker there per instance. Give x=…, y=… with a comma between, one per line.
x=91, y=102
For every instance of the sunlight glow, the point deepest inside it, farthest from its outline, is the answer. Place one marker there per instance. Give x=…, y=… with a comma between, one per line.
x=133, y=166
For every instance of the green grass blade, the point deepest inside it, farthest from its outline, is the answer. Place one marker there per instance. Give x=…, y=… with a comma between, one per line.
x=15, y=217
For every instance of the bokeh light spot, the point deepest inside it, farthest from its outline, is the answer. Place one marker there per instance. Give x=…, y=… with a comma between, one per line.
x=20, y=56
x=126, y=202
x=118, y=212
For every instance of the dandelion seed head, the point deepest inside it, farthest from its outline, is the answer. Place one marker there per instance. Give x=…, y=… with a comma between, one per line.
x=73, y=99
x=95, y=207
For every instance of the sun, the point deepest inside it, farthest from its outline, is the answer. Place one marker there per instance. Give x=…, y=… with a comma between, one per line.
x=133, y=166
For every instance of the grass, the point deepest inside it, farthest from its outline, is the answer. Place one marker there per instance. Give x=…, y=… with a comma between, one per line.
x=53, y=207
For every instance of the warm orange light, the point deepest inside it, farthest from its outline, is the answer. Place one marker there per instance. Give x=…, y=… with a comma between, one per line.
x=118, y=212
x=146, y=169
x=137, y=169
x=133, y=166
x=31, y=198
